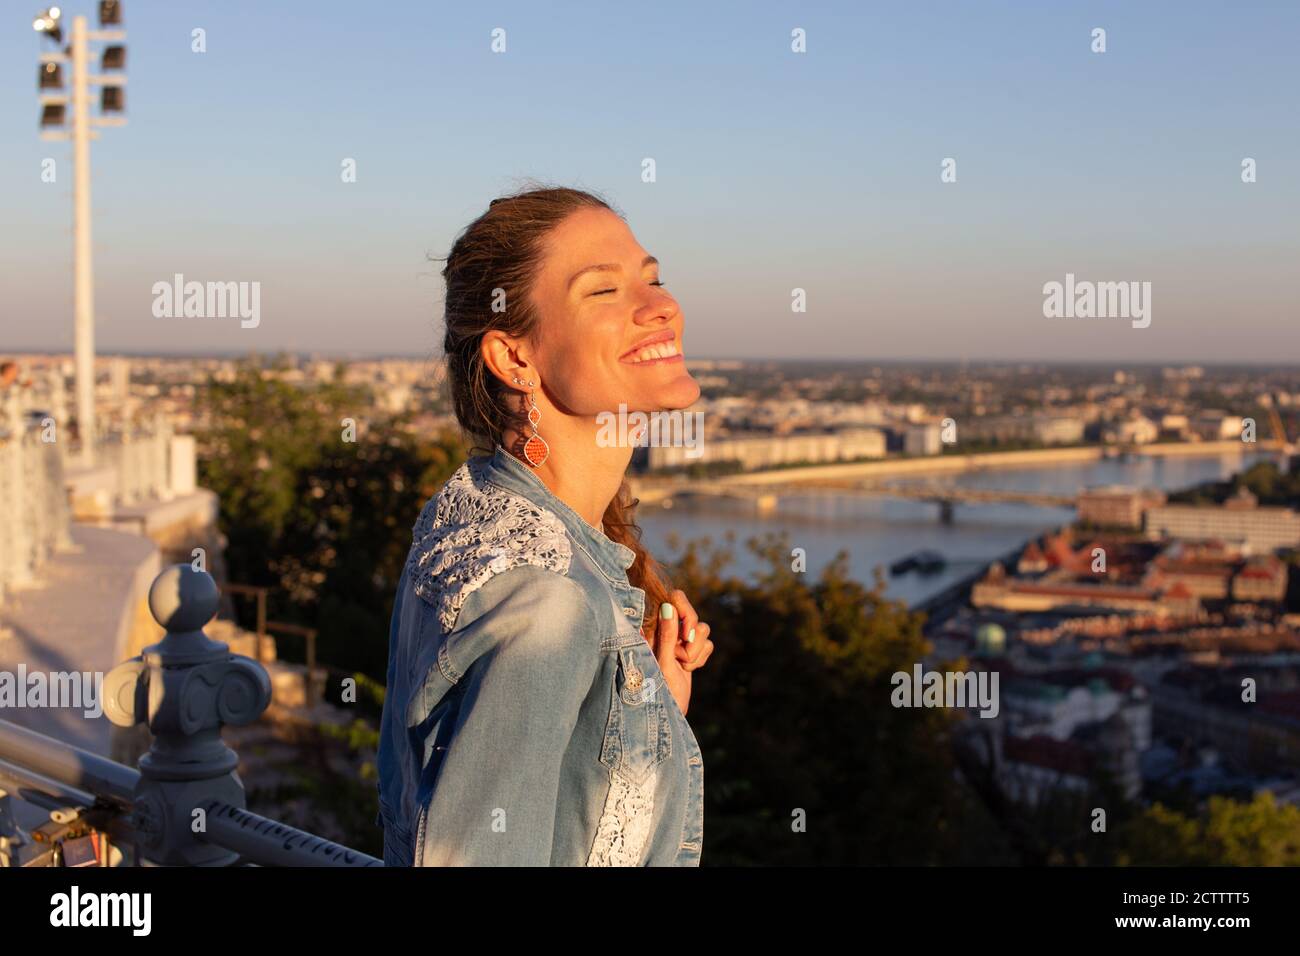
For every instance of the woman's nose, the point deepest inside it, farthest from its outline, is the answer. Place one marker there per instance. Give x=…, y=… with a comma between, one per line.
x=659, y=304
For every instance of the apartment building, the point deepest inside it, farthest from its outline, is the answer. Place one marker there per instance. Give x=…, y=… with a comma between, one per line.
x=765, y=451
x=1261, y=530
x=1115, y=506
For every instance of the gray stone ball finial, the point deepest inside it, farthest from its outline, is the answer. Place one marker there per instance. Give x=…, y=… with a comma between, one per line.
x=182, y=599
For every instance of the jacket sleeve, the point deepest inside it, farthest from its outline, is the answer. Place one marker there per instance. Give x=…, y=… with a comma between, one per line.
x=523, y=656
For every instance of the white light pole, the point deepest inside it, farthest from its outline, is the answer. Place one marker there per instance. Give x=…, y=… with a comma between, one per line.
x=83, y=272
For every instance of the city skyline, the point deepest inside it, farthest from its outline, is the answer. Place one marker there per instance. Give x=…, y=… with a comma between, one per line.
x=775, y=171
x=361, y=355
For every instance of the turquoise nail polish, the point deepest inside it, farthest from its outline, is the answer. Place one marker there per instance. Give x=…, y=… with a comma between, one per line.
x=665, y=610
x=690, y=638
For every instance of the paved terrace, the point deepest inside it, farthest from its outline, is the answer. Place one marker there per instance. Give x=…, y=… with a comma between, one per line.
x=77, y=616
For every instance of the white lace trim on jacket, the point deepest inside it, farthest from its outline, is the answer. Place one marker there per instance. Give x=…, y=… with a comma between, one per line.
x=624, y=825
x=474, y=529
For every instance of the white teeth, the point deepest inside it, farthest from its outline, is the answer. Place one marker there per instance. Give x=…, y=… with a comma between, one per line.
x=657, y=351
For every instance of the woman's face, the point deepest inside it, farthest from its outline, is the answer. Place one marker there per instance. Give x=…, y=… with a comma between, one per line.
x=600, y=305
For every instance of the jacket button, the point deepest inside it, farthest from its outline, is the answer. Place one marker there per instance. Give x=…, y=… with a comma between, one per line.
x=634, y=680
x=630, y=611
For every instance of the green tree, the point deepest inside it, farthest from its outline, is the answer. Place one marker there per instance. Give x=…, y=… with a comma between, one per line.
x=794, y=718
x=1264, y=479
x=317, y=511
x=1228, y=832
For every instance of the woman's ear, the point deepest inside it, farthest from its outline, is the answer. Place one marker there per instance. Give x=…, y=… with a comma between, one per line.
x=501, y=357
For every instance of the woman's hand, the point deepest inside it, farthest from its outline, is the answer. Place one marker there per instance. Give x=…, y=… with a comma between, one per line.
x=681, y=646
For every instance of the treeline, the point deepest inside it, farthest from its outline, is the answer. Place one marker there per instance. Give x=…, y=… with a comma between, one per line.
x=1264, y=479
x=318, y=495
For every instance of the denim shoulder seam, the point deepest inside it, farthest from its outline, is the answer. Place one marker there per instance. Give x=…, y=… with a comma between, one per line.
x=447, y=651
x=445, y=665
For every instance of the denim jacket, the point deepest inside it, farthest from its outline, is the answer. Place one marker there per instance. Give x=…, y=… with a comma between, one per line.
x=526, y=720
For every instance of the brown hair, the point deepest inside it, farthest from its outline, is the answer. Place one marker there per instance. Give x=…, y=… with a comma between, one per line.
x=502, y=249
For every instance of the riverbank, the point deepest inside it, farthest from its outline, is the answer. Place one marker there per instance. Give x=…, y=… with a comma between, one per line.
x=942, y=605
x=947, y=464
x=878, y=530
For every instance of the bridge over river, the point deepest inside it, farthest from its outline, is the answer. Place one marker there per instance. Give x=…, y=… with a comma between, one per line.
x=765, y=496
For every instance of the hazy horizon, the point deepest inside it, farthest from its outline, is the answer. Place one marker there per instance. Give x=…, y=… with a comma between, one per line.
x=360, y=356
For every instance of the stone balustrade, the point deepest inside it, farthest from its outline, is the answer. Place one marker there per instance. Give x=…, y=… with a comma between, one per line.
x=44, y=486
x=139, y=456
x=34, y=512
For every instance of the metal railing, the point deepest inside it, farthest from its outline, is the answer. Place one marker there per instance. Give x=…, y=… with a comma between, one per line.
x=185, y=803
x=260, y=593
x=265, y=629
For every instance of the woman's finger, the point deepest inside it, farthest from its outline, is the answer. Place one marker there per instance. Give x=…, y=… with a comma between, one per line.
x=666, y=631
x=690, y=652
x=688, y=649
x=689, y=619
x=706, y=648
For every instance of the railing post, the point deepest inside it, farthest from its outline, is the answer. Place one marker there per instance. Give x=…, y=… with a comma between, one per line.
x=38, y=499
x=129, y=475
x=162, y=446
x=185, y=688
x=18, y=494
x=57, y=496
x=58, y=399
x=9, y=508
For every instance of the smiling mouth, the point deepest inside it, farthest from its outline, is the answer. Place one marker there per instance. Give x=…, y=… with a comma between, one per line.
x=654, y=354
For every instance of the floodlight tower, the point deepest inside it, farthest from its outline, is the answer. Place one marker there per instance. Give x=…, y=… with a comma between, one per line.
x=53, y=115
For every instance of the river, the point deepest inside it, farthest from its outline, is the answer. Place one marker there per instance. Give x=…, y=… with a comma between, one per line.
x=879, y=531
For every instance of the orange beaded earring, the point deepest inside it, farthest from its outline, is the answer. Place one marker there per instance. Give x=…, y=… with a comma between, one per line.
x=536, y=450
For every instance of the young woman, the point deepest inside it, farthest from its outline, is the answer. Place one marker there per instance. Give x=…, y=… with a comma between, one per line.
x=539, y=666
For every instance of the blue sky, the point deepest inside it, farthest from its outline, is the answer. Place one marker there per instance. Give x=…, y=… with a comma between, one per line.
x=776, y=170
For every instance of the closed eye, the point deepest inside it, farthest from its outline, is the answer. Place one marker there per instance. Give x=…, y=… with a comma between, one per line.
x=608, y=291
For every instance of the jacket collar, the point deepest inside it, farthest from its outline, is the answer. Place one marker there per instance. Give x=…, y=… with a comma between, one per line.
x=509, y=472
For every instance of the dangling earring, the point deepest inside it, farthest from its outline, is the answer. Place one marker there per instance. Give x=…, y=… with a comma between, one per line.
x=536, y=450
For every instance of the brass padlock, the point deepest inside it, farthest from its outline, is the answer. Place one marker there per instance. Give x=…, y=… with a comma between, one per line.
x=82, y=851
